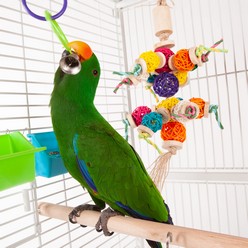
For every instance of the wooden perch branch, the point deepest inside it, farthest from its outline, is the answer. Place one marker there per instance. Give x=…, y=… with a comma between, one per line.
x=181, y=236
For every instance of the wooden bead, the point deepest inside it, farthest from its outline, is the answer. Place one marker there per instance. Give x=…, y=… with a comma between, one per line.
x=144, y=129
x=162, y=25
x=165, y=114
x=206, y=110
x=194, y=59
x=172, y=143
x=135, y=80
x=171, y=63
x=131, y=121
x=162, y=59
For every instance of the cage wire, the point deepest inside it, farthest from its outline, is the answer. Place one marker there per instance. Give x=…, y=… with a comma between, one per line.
x=207, y=184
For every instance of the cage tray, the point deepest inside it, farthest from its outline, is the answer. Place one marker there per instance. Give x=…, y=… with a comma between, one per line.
x=47, y=163
x=17, y=161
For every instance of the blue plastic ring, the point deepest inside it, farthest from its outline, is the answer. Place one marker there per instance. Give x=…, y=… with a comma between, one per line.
x=42, y=18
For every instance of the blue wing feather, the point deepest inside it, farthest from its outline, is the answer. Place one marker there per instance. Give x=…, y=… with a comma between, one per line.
x=83, y=167
x=132, y=212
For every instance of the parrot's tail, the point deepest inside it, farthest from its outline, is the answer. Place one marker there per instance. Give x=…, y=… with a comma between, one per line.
x=169, y=221
x=154, y=244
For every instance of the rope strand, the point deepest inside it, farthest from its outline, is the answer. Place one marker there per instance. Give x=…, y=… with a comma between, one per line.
x=214, y=109
x=161, y=168
x=145, y=136
x=125, y=121
x=152, y=92
x=136, y=71
x=125, y=81
x=204, y=57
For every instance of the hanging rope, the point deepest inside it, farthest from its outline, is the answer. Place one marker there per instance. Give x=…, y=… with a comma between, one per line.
x=126, y=123
x=136, y=71
x=125, y=81
x=161, y=168
x=152, y=92
x=214, y=109
x=201, y=49
x=145, y=136
x=214, y=45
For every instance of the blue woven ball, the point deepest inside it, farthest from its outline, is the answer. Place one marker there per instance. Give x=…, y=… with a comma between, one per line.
x=166, y=84
x=153, y=121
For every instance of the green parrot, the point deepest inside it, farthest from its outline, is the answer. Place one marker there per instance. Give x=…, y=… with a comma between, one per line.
x=94, y=153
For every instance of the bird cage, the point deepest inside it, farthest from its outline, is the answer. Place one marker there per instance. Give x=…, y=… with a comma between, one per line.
x=207, y=183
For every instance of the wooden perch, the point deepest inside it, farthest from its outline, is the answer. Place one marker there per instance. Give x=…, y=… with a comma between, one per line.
x=181, y=236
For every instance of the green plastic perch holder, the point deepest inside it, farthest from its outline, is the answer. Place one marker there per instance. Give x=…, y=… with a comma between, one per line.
x=17, y=160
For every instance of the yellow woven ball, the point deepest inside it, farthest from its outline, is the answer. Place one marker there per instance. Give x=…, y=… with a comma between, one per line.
x=182, y=77
x=152, y=60
x=168, y=103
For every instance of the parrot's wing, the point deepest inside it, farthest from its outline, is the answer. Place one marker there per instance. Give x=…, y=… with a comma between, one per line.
x=140, y=161
x=85, y=173
x=118, y=174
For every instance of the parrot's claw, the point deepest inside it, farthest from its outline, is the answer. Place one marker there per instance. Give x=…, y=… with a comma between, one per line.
x=101, y=224
x=79, y=209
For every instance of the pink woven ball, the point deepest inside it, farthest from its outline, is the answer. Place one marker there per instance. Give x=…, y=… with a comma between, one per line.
x=167, y=53
x=138, y=114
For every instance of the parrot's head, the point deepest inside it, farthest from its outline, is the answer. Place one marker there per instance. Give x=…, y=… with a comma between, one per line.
x=77, y=77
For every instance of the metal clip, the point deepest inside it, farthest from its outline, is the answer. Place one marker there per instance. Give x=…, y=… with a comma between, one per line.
x=70, y=64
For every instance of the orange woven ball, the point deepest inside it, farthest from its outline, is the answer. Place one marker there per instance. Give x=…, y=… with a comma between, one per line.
x=182, y=61
x=201, y=103
x=173, y=131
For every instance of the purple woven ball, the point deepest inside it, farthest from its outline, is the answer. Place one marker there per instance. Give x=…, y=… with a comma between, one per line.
x=166, y=84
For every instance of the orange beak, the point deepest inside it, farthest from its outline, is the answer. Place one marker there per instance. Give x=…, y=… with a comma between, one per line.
x=82, y=49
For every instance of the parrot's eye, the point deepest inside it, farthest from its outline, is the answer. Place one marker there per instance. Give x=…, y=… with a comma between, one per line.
x=95, y=72
x=70, y=63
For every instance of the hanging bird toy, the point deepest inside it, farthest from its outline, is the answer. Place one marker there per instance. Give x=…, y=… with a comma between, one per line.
x=163, y=62
x=169, y=117
x=163, y=73
x=166, y=71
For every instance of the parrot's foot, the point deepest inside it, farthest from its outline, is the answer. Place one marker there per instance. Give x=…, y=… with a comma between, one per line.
x=101, y=225
x=79, y=209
